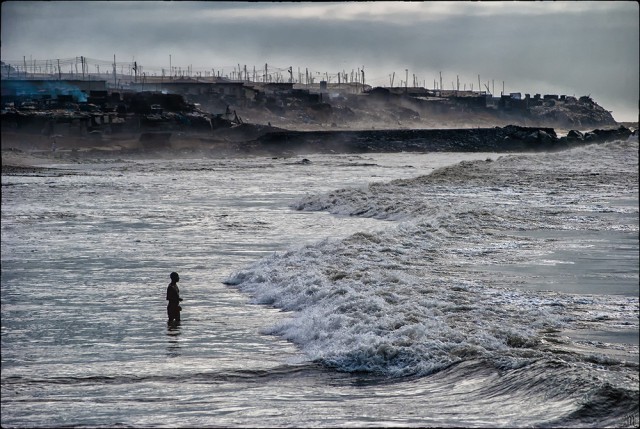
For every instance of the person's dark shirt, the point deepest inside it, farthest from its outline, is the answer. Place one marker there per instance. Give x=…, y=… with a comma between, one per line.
x=173, y=294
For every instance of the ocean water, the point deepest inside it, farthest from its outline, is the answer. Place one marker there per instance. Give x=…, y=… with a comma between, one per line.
x=443, y=289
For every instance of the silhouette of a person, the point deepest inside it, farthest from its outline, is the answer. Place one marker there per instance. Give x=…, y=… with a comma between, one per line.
x=173, y=296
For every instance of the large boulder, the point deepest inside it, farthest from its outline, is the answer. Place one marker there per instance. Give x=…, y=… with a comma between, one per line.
x=575, y=135
x=597, y=135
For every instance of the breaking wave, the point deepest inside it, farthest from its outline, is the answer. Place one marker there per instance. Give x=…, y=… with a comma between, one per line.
x=413, y=299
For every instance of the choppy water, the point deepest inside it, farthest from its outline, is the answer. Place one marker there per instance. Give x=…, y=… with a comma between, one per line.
x=350, y=291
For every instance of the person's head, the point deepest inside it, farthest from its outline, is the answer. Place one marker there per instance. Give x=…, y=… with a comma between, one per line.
x=174, y=277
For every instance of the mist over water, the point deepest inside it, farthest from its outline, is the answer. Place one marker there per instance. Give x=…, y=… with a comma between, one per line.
x=382, y=289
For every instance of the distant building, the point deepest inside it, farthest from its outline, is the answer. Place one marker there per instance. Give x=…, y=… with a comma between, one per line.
x=277, y=88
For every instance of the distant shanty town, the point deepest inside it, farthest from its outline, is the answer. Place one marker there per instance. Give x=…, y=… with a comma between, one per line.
x=51, y=103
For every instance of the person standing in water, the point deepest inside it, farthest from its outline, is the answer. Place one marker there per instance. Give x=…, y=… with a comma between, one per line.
x=173, y=296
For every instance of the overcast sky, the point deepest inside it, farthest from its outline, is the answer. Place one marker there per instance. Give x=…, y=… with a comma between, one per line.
x=573, y=48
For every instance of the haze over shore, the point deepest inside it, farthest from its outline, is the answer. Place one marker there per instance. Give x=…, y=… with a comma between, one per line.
x=573, y=48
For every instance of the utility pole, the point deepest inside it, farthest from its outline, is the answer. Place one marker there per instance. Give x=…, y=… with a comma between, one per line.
x=115, y=82
x=479, y=87
x=440, y=82
x=406, y=80
x=59, y=72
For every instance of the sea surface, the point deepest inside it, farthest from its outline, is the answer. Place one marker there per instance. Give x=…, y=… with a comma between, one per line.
x=437, y=289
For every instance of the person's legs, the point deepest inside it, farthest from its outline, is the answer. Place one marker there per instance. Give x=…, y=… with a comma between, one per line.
x=173, y=311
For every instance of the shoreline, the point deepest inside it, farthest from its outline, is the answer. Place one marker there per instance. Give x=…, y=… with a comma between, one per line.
x=22, y=152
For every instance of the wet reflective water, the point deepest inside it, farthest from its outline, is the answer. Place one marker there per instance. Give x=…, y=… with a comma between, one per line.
x=86, y=255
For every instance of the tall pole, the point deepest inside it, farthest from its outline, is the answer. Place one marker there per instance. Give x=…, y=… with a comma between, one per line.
x=115, y=82
x=406, y=80
x=59, y=72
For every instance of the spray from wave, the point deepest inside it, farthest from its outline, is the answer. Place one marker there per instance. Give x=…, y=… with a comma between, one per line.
x=409, y=300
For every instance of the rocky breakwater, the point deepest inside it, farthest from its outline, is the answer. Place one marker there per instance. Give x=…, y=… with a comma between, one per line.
x=499, y=139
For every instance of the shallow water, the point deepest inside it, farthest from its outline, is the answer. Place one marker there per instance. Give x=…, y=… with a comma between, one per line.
x=451, y=300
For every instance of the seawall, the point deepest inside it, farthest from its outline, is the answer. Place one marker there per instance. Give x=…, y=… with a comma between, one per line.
x=498, y=139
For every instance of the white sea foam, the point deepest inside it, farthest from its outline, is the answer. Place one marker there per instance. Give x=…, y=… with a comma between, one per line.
x=414, y=298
